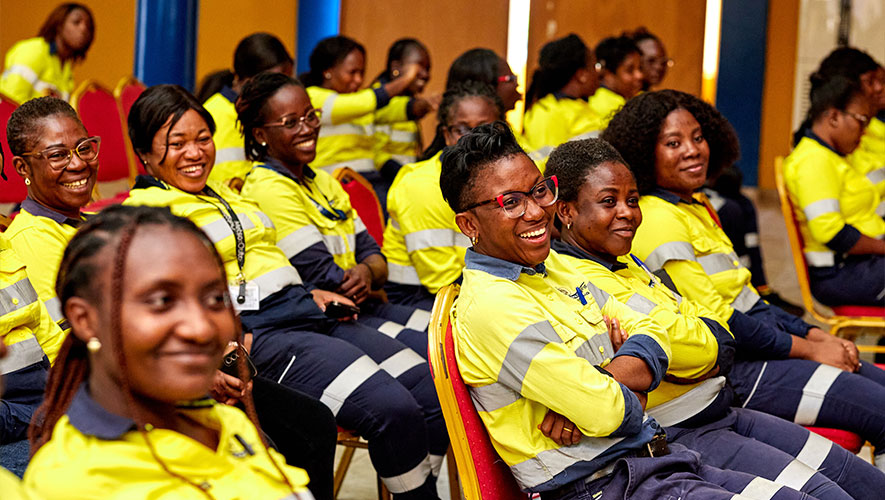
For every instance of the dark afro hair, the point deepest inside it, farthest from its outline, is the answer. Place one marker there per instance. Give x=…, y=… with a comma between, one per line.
x=635, y=128
x=462, y=162
x=572, y=161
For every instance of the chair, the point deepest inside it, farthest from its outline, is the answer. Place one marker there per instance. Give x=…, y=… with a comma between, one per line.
x=12, y=190
x=364, y=201
x=844, y=316
x=351, y=442
x=484, y=475
x=100, y=114
x=126, y=92
x=4, y=222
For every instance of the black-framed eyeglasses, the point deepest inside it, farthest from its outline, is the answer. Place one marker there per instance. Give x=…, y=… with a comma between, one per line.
x=296, y=124
x=515, y=203
x=59, y=157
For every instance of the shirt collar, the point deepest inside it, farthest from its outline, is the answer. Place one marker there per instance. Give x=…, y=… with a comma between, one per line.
x=228, y=94
x=91, y=419
x=276, y=166
x=814, y=137
x=579, y=253
x=559, y=95
x=146, y=181
x=671, y=196
x=53, y=49
x=39, y=210
x=500, y=268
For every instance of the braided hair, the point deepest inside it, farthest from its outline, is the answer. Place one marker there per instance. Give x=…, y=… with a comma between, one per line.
x=114, y=227
x=449, y=104
x=251, y=108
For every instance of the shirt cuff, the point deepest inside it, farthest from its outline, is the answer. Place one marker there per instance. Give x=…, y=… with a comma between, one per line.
x=633, y=415
x=410, y=110
x=648, y=350
x=845, y=239
x=725, y=357
x=381, y=97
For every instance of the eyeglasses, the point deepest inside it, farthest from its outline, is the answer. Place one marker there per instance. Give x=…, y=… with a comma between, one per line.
x=863, y=120
x=515, y=203
x=60, y=157
x=653, y=61
x=511, y=78
x=459, y=129
x=311, y=118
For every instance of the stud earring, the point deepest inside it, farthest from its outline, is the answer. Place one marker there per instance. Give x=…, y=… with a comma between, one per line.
x=27, y=181
x=327, y=76
x=473, y=240
x=264, y=144
x=568, y=226
x=93, y=345
x=395, y=73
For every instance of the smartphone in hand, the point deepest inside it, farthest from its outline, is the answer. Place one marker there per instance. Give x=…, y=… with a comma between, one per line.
x=337, y=310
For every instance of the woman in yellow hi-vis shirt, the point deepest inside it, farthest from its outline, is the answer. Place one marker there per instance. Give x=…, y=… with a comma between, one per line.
x=43, y=65
x=672, y=142
x=619, y=61
x=833, y=201
x=126, y=412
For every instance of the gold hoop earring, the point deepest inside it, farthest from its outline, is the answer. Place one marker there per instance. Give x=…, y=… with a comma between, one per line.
x=27, y=181
x=93, y=345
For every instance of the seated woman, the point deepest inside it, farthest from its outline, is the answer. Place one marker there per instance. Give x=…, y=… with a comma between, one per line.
x=256, y=53
x=316, y=227
x=43, y=65
x=373, y=384
x=654, y=62
x=620, y=75
x=599, y=208
x=58, y=160
x=835, y=203
x=869, y=156
x=556, y=102
x=531, y=337
x=337, y=67
x=9, y=484
x=672, y=141
x=129, y=388
x=398, y=142
x=423, y=245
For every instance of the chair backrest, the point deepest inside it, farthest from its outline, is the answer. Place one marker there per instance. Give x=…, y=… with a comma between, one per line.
x=364, y=201
x=126, y=92
x=483, y=474
x=100, y=114
x=12, y=190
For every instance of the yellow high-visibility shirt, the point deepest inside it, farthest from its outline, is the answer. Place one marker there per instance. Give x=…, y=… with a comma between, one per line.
x=532, y=339
x=869, y=159
x=834, y=203
x=553, y=120
x=606, y=103
x=230, y=157
x=11, y=486
x=33, y=69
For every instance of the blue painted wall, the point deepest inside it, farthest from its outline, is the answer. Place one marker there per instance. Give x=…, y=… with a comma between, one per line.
x=317, y=19
x=166, y=42
x=741, y=76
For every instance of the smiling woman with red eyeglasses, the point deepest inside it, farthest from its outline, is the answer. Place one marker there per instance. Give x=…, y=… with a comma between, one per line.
x=58, y=160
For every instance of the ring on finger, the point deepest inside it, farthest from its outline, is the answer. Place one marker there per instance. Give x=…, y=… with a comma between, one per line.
x=567, y=429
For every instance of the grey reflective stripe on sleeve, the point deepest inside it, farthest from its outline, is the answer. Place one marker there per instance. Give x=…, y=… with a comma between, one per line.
x=541, y=153
x=751, y=240
x=403, y=136
x=406, y=275
x=404, y=159
x=326, y=114
x=401, y=362
x=821, y=207
x=300, y=240
x=429, y=238
x=418, y=320
x=17, y=295
x=814, y=392
x=674, y=250
x=343, y=385
x=596, y=348
x=230, y=154
x=522, y=350
x=21, y=355
x=640, y=304
x=494, y=396
x=23, y=71
x=876, y=176
x=820, y=259
x=357, y=165
x=760, y=489
x=358, y=225
x=218, y=229
x=265, y=219
x=337, y=244
x=586, y=135
x=880, y=209
x=410, y=480
x=274, y=281
x=342, y=129
x=689, y=404
x=745, y=300
x=53, y=305
x=393, y=223
x=716, y=200
x=599, y=295
x=718, y=262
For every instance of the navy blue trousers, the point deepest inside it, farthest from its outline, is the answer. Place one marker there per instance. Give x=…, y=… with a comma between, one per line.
x=859, y=280
x=22, y=394
x=407, y=324
x=409, y=295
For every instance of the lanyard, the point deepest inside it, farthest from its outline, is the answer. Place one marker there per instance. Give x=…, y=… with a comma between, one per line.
x=335, y=214
x=239, y=235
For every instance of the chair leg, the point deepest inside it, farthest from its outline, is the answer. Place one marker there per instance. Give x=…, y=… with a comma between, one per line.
x=454, y=483
x=341, y=470
x=383, y=492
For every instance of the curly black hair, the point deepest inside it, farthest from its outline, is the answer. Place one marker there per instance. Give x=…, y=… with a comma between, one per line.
x=634, y=133
x=24, y=128
x=572, y=161
x=462, y=162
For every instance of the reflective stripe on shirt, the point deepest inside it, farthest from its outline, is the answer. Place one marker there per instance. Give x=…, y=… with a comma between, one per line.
x=21, y=355
x=17, y=296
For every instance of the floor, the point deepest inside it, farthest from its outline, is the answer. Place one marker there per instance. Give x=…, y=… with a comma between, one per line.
x=360, y=481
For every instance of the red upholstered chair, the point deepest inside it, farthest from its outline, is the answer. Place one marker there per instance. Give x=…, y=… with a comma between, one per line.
x=483, y=474
x=101, y=115
x=126, y=92
x=846, y=439
x=364, y=201
x=853, y=317
x=12, y=190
